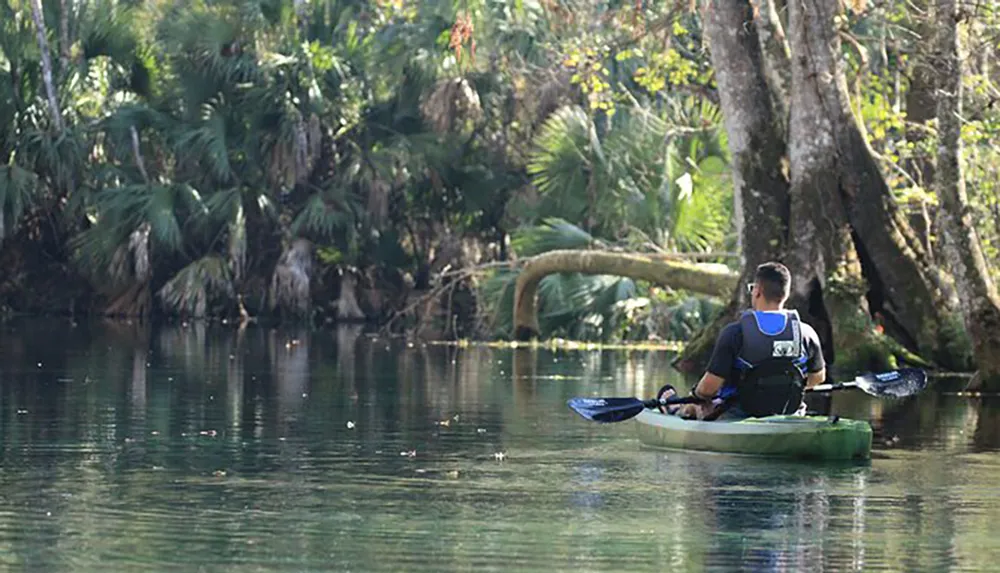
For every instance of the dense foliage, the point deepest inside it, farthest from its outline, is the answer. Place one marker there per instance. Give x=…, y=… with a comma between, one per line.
x=344, y=159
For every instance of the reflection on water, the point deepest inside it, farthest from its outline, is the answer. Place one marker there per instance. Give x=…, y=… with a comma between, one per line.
x=208, y=448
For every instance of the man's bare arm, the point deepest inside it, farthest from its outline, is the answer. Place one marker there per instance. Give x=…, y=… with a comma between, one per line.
x=814, y=378
x=709, y=385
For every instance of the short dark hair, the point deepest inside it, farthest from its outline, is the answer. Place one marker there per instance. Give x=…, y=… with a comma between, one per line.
x=774, y=281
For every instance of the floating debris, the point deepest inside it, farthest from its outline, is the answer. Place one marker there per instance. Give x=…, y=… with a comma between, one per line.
x=219, y=473
x=500, y=456
x=480, y=430
x=444, y=422
x=453, y=474
x=350, y=425
x=22, y=411
x=409, y=454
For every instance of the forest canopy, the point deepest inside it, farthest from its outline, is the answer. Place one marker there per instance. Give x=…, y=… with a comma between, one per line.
x=397, y=162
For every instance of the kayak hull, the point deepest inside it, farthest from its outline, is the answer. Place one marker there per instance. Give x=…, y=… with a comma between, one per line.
x=801, y=437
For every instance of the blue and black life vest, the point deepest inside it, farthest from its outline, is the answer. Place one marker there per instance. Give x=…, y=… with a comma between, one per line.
x=771, y=363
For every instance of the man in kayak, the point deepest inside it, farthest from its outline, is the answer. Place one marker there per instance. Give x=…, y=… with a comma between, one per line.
x=763, y=362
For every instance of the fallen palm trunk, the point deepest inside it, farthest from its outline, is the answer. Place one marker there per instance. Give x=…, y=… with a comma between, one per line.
x=700, y=278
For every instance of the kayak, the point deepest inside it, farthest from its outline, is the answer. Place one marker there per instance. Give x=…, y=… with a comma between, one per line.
x=804, y=437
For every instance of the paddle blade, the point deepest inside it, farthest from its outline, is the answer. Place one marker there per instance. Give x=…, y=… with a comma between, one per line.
x=895, y=383
x=606, y=410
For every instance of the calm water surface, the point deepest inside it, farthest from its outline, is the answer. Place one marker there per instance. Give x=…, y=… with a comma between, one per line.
x=206, y=449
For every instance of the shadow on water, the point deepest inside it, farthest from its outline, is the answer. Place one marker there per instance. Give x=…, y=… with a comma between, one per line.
x=204, y=447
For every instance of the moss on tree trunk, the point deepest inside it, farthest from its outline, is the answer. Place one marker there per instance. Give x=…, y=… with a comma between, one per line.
x=981, y=304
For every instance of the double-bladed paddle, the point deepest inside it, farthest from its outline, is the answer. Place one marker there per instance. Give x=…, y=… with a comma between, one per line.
x=894, y=383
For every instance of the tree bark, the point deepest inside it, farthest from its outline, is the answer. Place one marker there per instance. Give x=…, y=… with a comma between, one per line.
x=906, y=288
x=842, y=224
x=981, y=306
x=43, y=46
x=776, y=58
x=757, y=147
x=696, y=278
x=347, y=303
x=828, y=287
x=64, y=43
x=920, y=110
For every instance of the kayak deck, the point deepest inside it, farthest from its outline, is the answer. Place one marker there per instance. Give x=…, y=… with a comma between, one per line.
x=805, y=437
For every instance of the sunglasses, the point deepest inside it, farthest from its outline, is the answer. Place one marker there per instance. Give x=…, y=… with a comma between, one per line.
x=750, y=288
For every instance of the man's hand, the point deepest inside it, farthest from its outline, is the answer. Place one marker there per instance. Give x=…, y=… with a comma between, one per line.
x=695, y=411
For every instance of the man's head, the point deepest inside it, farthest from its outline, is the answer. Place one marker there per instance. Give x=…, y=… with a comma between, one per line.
x=771, y=287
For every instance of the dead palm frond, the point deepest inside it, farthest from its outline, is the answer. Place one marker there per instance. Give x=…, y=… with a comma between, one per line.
x=291, y=279
x=450, y=105
x=193, y=288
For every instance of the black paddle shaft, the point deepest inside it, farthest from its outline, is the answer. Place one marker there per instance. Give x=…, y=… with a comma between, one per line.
x=895, y=383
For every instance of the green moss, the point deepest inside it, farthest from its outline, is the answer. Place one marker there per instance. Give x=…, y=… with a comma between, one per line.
x=955, y=344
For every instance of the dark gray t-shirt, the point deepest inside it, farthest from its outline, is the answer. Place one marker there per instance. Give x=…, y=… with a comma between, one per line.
x=730, y=341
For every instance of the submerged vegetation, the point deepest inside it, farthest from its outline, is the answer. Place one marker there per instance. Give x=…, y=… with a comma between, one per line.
x=396, y=162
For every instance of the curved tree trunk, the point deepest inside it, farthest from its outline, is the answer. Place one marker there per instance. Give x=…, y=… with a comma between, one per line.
x=981, y=306
x=757, y=147
x=697, y=278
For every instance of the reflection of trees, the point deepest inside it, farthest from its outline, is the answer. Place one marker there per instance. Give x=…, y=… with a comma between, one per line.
x=289, y=352
x=909, y=509
x=986, y=436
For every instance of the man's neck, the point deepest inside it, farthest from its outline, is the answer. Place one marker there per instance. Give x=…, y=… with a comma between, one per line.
x=769, y=307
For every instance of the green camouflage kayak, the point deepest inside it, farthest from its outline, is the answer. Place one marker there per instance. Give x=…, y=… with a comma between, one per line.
x=806, y=437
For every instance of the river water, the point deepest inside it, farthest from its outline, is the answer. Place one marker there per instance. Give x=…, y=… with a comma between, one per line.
x=203, y=448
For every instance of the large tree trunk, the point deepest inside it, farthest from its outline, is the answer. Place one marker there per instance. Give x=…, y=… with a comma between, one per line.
x=906, y=288
x=920, y=110
x=828, y=288
x=776, y=58
x=697, y=278
x=757, y=148
x=843, y=226
x=981, y=307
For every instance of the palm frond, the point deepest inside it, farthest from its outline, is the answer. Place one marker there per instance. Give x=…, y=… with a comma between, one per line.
x=496, y=294
x=17, y=195
x=193, y=288
x=327, y=213
x=563, y=158
x=703, y=207
x=119, y=212
x=552, y=234
x=206, y=142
